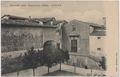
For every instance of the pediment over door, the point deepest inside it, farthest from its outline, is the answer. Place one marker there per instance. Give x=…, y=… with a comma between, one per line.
x=74, y=34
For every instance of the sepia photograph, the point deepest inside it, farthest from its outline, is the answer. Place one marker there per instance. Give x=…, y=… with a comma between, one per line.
x=54, y=38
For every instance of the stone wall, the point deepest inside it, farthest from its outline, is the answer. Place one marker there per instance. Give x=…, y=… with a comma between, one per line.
x=21, y=38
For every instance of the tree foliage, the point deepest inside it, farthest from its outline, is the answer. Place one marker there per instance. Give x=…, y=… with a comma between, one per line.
x=53, y=55
x=49, y=56
x=103, y=63
x=30, y=58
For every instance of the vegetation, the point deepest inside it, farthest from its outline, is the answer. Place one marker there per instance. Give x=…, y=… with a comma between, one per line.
x=50, y=55
x=61, y=56
x=103, y=63
x=53, y=55
x=9, y=64
x=30, y=59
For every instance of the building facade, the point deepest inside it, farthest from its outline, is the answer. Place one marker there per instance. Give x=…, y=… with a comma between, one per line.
x=76, y=37
x=20, y=33
x=83, y=40
x=85, y=43
x=97, y=37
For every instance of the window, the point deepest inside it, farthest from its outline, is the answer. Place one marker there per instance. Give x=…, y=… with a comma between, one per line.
x=58, y=45
x=73, y=45
x=73, y=28
x=98, y=37
x=99, y=49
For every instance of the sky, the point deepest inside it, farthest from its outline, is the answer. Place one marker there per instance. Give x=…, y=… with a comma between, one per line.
x=87, y=11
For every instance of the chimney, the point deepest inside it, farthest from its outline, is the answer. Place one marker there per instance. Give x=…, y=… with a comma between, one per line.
x=29, y=17
x=104, y=21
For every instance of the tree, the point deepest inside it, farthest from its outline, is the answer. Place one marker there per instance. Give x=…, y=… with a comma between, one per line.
x=103, y=62
x=18, y=61
x=49, y=50
x=59, y=57
x=54, y=55
x=30, y=59
x=40, y=56
x=66, y=55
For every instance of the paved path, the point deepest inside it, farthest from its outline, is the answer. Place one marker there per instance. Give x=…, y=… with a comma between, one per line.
x=43, y=70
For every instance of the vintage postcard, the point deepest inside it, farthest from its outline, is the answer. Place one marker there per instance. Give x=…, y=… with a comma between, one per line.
x=59, y=38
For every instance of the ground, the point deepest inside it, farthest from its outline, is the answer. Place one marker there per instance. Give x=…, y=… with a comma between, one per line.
x=67, y=70
x=61, y=73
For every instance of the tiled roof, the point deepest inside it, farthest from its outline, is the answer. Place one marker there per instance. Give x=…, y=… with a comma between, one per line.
x=98, y=27
x=25, y=24
x=99, y=30
x=98, y=33
x=14, y=17
x=21, y=21
x=44, y=19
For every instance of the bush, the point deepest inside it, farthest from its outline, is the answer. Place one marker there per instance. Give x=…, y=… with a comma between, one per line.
x=11, y=64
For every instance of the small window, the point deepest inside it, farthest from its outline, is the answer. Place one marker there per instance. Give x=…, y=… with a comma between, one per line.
x=99, y=49
x=98, y=37
x=58, y=45
x=73, y=28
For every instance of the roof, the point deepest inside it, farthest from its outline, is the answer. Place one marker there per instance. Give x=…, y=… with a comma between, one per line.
x=14, y=17
x=55, y=22
x=59, y=21
x=12, y=23
x=98, y=33
x=99, y=30
x=44, y=19
x=33, y=22
x=90, y=23
x=98, y=27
